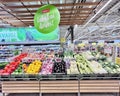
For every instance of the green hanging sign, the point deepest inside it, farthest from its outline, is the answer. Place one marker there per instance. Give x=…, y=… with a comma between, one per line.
x=47, y=19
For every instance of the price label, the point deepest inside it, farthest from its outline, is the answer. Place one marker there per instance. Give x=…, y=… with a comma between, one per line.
x=25, y=49
x=108, y=49
x=62, y=40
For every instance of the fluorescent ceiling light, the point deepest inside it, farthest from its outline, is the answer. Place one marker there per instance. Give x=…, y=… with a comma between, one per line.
x=61, y=3
x=30, y=26
x=97, y=13
x=39, y=2
x=94, y=0
x=90, y=6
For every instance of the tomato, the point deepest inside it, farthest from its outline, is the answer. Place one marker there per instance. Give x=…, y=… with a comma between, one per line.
x=9, y=71
x=6, y=67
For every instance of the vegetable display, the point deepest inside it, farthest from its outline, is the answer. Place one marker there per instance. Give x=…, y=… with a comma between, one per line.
x=44, y=63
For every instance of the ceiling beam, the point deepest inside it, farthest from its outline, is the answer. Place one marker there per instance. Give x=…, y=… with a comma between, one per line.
x=31, y=19
x=72, y=19
x=26, y=18
x=61, y=24
x=63, y=15
x=15, y=1
x=80, y=13
x=10, y=13
x=29, y=16
x=6, y=16
x=73, y=16
x=62, y=21
x=57, y=5
x=70, y=23
x=18, y=23
x=88, y=10
x=34, y=11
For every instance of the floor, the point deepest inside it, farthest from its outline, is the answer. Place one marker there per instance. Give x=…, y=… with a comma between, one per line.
x=61, y=95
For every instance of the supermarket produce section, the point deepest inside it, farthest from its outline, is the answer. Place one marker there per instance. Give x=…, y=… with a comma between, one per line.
x=56, y=71
x=56, y=62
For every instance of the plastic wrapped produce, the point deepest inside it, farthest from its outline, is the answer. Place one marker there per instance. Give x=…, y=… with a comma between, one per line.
x=73, y=67
x=59, y=67
x=47, y=67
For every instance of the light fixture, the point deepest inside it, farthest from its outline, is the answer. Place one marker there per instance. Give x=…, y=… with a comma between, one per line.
x=38, y=2
x=94, y=0
x=90, y=6
x=61, y=3
x=30, y=26
x=75, y=26
x=97, y=14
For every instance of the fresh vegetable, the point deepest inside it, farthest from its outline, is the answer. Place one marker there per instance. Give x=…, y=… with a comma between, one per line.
x=34, y=67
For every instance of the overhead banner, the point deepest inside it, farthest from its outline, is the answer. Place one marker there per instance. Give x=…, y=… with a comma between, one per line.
x=26, y=34
x=47, y=19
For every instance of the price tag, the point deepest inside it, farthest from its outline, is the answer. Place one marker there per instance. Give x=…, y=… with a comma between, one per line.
x=62, y=40
x=93, y=44
x=25, y=49
x=31, y=50
x=108, y=49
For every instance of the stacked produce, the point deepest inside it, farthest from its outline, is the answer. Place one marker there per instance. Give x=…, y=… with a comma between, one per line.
x=34, y=56
x=3, y=64
x=59, y=66
x=73, y=68
x=20, y=57
x=68, y=56
x=9, y=68
x=24, y=67
x=12, y=66
x=37, y=55
x=71, y=64
x=18, y=70
x=88, y=55
x=34, y=67
x=47, y=67
x=45, y=63
x=110, y=67
x=117, y=60
x=96, y=67
x=83, y=65
x=67, y=61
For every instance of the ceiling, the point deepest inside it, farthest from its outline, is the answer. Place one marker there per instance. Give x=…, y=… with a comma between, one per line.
x=104, y=26
x=93, y=18
x=19, y=13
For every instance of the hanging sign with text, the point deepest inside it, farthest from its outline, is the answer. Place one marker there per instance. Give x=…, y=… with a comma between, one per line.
x=47, y=19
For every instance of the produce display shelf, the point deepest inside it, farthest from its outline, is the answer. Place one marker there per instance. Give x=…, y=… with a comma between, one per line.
x=61, y=77
x=61, y=86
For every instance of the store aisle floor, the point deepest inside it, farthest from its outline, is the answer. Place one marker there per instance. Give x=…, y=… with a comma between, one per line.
x=21, y=95
x=60, y=95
